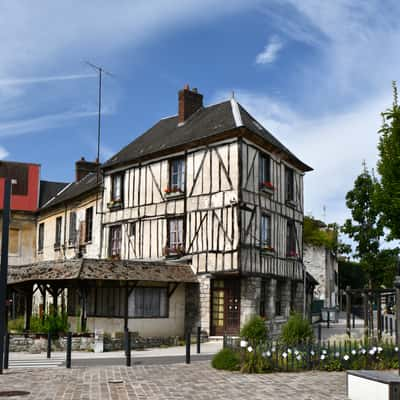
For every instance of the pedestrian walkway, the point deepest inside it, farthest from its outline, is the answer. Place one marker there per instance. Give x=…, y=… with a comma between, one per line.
x=36, y=361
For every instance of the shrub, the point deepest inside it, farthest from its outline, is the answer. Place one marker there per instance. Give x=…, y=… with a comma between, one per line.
x=16, y=325
x=296, y=331
x=226, y=359
x=50, y=323
x=255, y=331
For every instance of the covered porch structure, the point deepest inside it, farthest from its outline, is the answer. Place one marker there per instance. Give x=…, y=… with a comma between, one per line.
x=112, y=295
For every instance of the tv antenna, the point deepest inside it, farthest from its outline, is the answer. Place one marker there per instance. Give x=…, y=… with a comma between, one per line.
x=100, y=71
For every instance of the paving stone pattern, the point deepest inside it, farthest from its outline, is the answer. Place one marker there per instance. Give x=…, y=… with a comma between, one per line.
x=171, y=382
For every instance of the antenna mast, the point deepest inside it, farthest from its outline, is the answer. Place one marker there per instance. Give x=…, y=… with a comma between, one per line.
x=100, y=71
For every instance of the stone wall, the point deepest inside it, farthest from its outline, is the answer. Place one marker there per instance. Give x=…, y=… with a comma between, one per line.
x=205, y=297
x=250, y=298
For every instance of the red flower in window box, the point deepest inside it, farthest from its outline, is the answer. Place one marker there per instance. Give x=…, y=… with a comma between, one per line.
x=169, y=190
x=268, y=185
x=173, y=251
x=292, y=254
x=269, y=248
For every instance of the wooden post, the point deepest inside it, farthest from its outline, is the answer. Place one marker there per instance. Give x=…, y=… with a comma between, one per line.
x=348, y=311
x=126, y=306
x=379, y=316
x=28, y=308
x=83, y=309
x=365, y=312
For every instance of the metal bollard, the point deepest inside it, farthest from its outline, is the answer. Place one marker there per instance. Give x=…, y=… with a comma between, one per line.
x=128, y=348
x=188, y=347
x=391, y=326
x=319, y=333
x=69, y=350
x=354, y=321
x=6, y=350
x=49, y=345
x=329, y=317
x=198, y=339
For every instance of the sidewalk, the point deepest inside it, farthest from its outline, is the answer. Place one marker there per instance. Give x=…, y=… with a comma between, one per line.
x=207, y=348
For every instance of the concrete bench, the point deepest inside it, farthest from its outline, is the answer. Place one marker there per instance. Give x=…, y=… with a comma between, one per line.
x=372, y=385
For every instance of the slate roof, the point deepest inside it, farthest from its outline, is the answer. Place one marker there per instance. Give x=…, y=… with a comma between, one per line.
x=204, y=123
x=48, y=190
x=73, y=190
x=94, y=269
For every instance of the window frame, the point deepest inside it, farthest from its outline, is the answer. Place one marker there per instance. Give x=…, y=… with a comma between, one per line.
x=120, y=198
x=264, y=173
x=291, y=233
x=112, y=229
x=58, y=233
x=175, y=250
x=178, y=187
x=146, y=289
x=72, y=231
x=40, y=237
x=89, y=224
x=266, y=244
x=289, y=185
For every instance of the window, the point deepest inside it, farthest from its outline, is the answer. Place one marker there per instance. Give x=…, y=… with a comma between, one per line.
x=72, y=228
x=116, y=187
x=265, y=231
x=175, y=235
x=41, y=237
x=289, y=184
x=132, y=229
x=265, y=170
x=88, y=224
x=177, y=175
x=291, y=239
x=57, y=242
x=13, y=246
x=115, y=242
x=148, y=302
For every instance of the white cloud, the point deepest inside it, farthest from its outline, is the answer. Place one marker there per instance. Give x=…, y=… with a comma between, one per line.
x=3, y=153
x=43, y=79
x=42, y=123
x=270, y=52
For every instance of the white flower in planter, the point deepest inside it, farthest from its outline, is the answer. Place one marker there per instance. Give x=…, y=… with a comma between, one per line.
x=324, y=352
x=322, y=356
x=273, y=349
x=372, y=352
x=296, y=352
x=337, y=354
x=380, y=349
x=249, y=349
x=298, y=358
x=353, y=352
x=243, y=343
x=289, y=351
x=346, y=357
x=363, y=351
x=312, y=352
x=268, y=353
x=396, y=349
x=284, y=355
x=374, y=348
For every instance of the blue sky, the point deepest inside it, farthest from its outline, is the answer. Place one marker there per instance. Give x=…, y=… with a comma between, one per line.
x=317, y=74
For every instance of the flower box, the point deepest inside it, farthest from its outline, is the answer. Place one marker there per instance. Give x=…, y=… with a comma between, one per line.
x=173, y=191
x=268, y=249
x=114, y=204
x=292, y=254
x=178, y=251
x=267, y=185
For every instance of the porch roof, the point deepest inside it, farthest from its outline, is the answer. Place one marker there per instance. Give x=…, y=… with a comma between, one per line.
x=94, y=269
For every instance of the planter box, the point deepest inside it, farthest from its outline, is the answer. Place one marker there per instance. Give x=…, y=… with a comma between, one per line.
x=372, y=385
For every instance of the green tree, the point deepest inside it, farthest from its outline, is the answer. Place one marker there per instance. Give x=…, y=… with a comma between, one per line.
x=388, y=191
x=365, y=227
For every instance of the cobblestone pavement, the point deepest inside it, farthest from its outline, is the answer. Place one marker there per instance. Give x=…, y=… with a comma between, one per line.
x=171, y=382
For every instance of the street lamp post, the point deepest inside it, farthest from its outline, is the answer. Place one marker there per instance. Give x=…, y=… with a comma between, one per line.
x=4, y=266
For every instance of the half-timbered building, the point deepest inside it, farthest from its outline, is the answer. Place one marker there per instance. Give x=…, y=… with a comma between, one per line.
x=198, y=221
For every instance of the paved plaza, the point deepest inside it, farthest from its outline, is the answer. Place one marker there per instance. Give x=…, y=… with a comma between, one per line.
x=175, y=381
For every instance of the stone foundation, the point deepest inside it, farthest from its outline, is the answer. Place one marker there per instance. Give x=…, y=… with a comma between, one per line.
x=205, y=297
x=250, y=289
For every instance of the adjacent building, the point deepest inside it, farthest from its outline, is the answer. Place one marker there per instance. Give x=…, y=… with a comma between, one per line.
x=198, y=221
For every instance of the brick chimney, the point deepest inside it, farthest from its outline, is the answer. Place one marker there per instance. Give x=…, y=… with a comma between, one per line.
x=189, y=102
x=83, y=167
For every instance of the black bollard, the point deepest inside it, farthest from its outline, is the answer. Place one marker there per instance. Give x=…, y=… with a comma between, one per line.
x=188, y=347
x=49, y=344
x=319, y=333
x=327, y=322
x=69, y=350
x=198, y=339
x=391, y=326
x=354, y=320
x=128, y=348
x=6, y=350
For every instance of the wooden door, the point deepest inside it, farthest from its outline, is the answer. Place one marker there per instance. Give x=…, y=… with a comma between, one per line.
x=225, y=306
